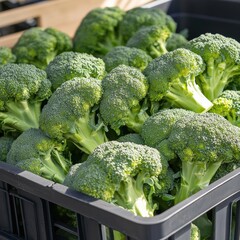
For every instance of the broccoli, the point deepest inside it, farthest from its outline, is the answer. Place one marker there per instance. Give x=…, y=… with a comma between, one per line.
x=202, y=142
x=228, y=106
x=68, y=65
x=124, y=89
x=221, y=56
x=39, y=47
x=116, y=172
x=139, y=17
x=132, y=57
x=36, y=152
x=176, y=40
x=172, y=78
x=98, y=33
x=131, y=137
x=71, y=114
x=23, y=88
x=6, y=55
x=5, y=145
x=151, y=39
x=157, y=128
x=195, y=232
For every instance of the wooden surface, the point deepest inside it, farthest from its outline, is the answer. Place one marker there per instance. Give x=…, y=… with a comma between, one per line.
x=64, y=15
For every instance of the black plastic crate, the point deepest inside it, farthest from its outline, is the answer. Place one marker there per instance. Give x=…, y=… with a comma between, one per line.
x=28, y=202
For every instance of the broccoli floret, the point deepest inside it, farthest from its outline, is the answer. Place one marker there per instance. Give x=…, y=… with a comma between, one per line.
x=5, y=145
x=97, y=33
x=71, y=114
x=39, y=47
x=202, y=142
x=68, y=65
x=176, y=40
x=117, y=172
x=34, y=151
x=6, y=55
x=131, y=137
x=132, y=57
x=123, y=90
x=151, y=39
x=172, y=78
x=195, y=232
x=228, y=106
x=139, y=17
x=221, y=56
x=157, y=128
x=23, y=88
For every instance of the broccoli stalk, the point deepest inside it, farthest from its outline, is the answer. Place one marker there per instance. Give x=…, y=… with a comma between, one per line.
x=20, y=115
x=194, y=177
x=186, y=93
x=87, y=136
x=130, y=195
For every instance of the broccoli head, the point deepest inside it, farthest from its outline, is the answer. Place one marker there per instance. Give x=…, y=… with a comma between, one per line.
x=5, y=145
x=39, y=47
x=6, y=55
x=97, y=33
x=138, y=17
x=124, y=89
x=172, y=78
x=71, y=114
x=151, y=39
x=202, y=142
x=23, y=88
x=132, y=57
x=176, y=40
x=228, y=106
x=68, y=65
x=36, y=152
x=221, y=56
x=117, y=172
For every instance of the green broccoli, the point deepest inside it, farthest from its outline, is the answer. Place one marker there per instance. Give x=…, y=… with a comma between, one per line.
x=68, y=65
x=39, y=47
x=132, y=57
x=5, y=145
x=202, y=142
x=221, y=56
x=124, y=89
x=151, y=39
x=131, y=137
x=139, y=17
x=71, y=114
x=23, y=88
x=172, y=78
x=36, y=152
x=176, y=40
x=157, y=128
x=195, y=232
x=98, y=33
x=228, y=106
x=6, y=55
x=116, y=172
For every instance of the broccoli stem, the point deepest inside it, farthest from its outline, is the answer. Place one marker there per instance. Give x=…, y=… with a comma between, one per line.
x=21, y=115
x=188, y=96
x=131, y=196
x=85, y=136
x=216, y=78
x=195, y=176
x=136, y=118
x=51, y=169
